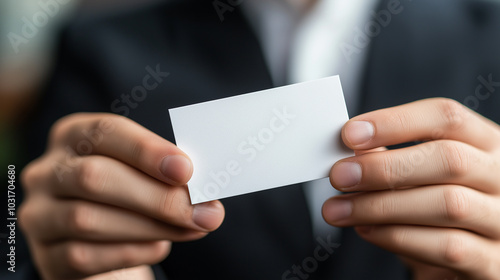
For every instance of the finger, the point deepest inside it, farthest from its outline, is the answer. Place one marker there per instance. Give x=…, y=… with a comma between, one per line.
x=125, y=140
x=439, y=206
x=37, y=175
x=435, y=118
x=56, y=220
x=138, y=272
x=375, y=150
x=456, y=249
x=434, y=162
x=108, y=181
x=82, y=259
x=423, y=271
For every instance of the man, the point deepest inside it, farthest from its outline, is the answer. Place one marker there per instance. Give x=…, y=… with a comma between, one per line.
x=109, y=193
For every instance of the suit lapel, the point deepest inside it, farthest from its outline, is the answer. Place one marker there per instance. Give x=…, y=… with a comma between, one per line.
x=433, y=49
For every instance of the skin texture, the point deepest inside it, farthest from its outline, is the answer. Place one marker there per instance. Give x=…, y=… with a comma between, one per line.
x=436, y=204
x=114, y=201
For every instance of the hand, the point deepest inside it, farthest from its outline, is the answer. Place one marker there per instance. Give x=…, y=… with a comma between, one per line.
x=436, y=204
x=108, y=194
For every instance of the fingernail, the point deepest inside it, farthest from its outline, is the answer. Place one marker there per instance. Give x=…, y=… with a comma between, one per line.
x=176, y=168
x=346, y=174
x=208, y=215
x=359, y=132
x=338, y=209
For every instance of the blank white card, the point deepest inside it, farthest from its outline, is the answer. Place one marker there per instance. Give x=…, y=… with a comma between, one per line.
x=262, y=140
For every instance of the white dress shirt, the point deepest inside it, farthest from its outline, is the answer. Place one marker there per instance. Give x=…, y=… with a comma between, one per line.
x=302, y=43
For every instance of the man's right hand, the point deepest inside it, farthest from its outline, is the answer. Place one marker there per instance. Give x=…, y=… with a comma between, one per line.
x=108, y=194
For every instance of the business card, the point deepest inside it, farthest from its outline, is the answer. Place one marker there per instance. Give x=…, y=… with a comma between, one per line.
x=262, y=140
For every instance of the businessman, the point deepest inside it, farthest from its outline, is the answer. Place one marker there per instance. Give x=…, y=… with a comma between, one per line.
x=107, y=198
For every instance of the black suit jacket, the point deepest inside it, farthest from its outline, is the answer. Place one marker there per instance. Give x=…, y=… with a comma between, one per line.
x=433, y=48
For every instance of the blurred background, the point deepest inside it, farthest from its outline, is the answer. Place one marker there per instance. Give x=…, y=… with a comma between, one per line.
x=27, y=31
x=28, y=36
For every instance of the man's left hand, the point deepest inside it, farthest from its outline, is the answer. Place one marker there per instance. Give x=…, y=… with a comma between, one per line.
x=437, y=203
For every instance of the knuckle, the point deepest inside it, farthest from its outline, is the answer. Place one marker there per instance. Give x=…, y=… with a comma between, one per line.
x=457, y=204
x=77, y=258
x=394, y=172
x=171, y=207
x=382, y=208
x=166, y=204
x=139, y=147
x=401, y=120
x=81, y=219
x=32, y=175
x=388, y=169
x=62, y=127
x=453, y=113
x=59, y=130
x=92, y=176
x=128, y=257
x=84, y=145
x=159, y=252
x=399, y=237
x=26, y=215
x=28, y=177
x=454, y=249
x=456, y=159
